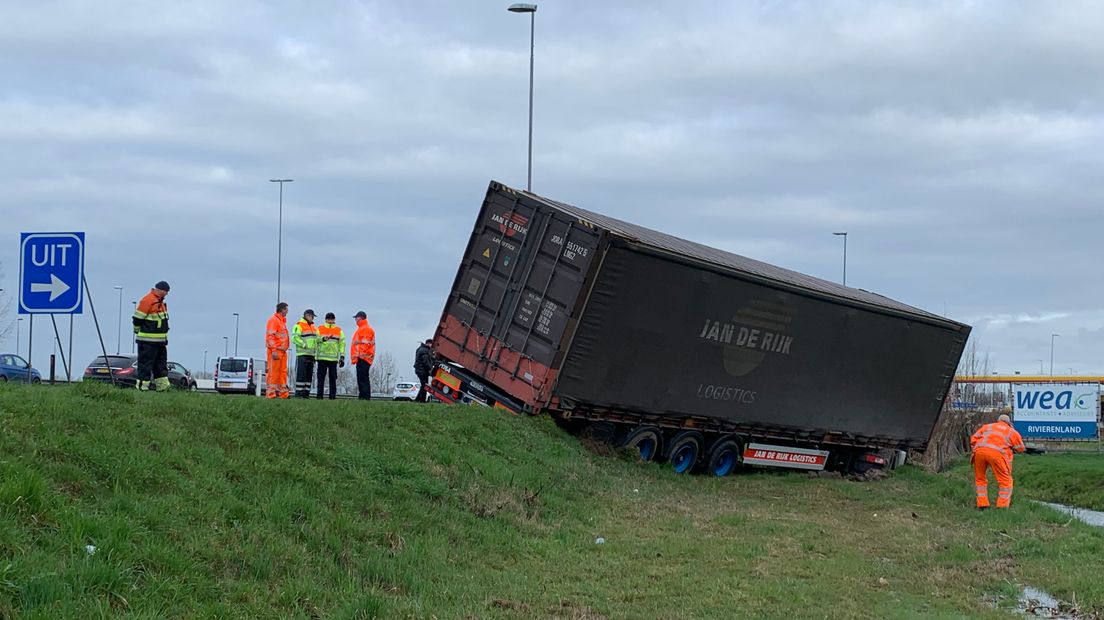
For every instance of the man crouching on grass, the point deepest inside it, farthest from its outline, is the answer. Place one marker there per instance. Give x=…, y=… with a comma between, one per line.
x=993, y=445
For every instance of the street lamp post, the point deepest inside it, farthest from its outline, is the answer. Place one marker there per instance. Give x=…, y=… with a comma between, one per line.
x=531, y=9
x=1040, y=366
x=205, y=360
x=279, y=236
x=17, y=330
x=236, y=317
x=1052, y=337
x=844, y=235
x=226, y=346
x=119, y=336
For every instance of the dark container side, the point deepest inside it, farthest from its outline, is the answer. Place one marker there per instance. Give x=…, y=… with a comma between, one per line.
x=668, y=336
x=516, y=295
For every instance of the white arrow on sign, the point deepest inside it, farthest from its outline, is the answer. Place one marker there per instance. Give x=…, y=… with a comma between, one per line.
x=55, y=288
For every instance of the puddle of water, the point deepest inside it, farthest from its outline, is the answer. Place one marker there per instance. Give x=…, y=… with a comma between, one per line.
x=1092, y=517
x=1035, y=602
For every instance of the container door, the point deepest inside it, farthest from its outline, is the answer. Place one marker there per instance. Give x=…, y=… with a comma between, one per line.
x=516, y=293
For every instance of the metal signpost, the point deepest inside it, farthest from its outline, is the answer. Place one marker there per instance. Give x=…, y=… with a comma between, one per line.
x=51, y=281
x=50, y=269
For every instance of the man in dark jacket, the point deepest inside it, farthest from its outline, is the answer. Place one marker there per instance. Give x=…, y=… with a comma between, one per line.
x=151, y=330
x=423, y=365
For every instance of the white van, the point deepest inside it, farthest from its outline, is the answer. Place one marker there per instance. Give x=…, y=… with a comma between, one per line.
x=239, y=375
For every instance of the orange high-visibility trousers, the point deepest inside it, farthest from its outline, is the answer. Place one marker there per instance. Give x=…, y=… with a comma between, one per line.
x=988, y=458
x=277, y=376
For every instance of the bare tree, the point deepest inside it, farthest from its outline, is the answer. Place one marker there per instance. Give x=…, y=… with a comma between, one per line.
x=346, y=380
x=383, y=373
x=7, y=323
x=974, y=364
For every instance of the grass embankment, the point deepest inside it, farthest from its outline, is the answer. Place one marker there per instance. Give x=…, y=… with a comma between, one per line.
x=1073, y=479
x=231, y=507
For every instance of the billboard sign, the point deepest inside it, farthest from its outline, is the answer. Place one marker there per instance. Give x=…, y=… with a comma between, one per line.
x=1056, y=410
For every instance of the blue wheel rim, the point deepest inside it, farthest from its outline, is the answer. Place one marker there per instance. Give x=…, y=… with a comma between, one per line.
x=647, y=449
x=684, y=458
x=725, y=464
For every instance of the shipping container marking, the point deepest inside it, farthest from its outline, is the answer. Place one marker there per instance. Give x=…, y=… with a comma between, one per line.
x=512, y=224
x=726, y=393
x=737, y=335
x=785, y=456
x=572, y=249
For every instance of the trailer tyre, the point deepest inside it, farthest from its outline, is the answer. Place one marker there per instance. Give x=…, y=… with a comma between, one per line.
x=723, y=458
x=646, y=440
x=685, y=449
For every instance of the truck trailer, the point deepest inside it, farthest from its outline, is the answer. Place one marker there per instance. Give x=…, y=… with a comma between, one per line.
x=684, y=352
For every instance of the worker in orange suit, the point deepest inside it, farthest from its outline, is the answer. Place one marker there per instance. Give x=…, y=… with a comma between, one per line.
x=277, y=343
x=993, y=446
x=364, y=353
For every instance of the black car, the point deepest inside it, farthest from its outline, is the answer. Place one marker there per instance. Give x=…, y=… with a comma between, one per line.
x=125, y=367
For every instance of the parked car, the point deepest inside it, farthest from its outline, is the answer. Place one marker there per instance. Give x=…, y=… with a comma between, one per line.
x=181, y=377
x=125, y=368
x=405, y=391
x=14, y=368
x=239, y=375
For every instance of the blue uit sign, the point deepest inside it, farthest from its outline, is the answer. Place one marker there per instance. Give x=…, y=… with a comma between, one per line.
x=51, y=270
x=1056, y=410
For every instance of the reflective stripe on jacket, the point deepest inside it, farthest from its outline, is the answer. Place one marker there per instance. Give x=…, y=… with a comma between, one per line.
x=364, y=343
x=999, y=436
x=151, y=319
x=305, y=337
x=331, y=346
x=276, y=333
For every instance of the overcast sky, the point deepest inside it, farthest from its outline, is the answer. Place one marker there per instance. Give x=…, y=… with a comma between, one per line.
x=958, y=143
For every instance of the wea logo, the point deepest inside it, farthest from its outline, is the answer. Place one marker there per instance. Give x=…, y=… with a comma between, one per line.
x=1053, y=400
x=1056, y=410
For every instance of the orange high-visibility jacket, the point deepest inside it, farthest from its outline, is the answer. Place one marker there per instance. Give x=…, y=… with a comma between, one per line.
x=364, y=342
x=999, y=436
x=276, y=333
x=151, y=319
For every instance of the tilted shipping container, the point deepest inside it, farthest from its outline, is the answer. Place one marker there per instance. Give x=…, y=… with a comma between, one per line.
x=567, y=310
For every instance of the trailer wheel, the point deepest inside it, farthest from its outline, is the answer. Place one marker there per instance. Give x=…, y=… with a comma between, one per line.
x=685, y=449
x=723, y=457
x=646, y=440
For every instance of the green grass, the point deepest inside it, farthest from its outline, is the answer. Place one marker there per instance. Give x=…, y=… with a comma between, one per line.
x=204, y=506
x=1074, y=479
